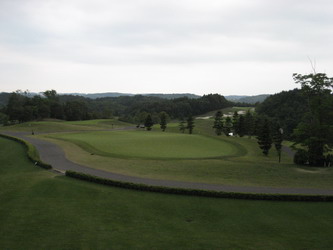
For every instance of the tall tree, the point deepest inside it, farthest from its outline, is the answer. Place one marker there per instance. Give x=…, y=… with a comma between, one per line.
x=227, y=126
x=277, y=139
x=182, y=126
x=264, y=137
x=218, y=123
x=149, y=122
x=241, y=126
x=163, y=120
x=235, y=119
x=249, y=124
x=315, y=132
x=190, y=124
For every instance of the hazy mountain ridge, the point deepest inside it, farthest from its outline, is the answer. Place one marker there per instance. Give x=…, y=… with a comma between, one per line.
x=247, y=99
x=234, y=98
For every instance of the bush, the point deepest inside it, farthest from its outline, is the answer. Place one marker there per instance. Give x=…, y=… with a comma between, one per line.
x=329, y=160
x=197, y=192
x=301, y=157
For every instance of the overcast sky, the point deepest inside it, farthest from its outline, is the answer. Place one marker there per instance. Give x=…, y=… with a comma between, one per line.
x=172, y=46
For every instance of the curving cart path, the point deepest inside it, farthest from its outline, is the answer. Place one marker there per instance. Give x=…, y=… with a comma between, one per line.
x=54, y=155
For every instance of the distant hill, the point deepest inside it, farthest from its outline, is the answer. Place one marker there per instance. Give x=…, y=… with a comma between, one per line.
x=4, y=98
x=116, y=94
x=247, y=99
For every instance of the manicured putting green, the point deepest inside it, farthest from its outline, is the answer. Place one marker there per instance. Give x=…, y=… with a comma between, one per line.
x=152, y=145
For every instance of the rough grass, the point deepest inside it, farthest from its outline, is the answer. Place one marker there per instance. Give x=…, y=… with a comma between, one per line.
x=40, y=210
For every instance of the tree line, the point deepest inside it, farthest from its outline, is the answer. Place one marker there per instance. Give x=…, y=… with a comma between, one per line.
x=306, y=117
x=21, y=107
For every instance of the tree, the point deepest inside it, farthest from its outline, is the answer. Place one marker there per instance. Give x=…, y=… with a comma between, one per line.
x=163, y=120
x=264, y=137
x=182, y=126
x=190, y=124
x=218, y=123
x=235, y=122
x=249, y=124
x=315, y=131
x=241, y=126
x=149, y=122
x=76, y=111
x=277, y=140
x=227, y=126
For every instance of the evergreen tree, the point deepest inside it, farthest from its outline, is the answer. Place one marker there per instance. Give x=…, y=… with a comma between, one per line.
x=149, y=122
x=277, y=140
x=190, y=124
x=227, y=126
x=235, y=118
x=249, y=124
x=264, y=137
x=163, y=121
x=241, y=126
x=182, y=126
x=218, y=123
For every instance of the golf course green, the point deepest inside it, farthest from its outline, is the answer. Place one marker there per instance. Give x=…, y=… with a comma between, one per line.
x=151, y=145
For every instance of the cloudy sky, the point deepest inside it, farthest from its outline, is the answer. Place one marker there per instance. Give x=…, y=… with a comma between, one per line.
x=172, y=46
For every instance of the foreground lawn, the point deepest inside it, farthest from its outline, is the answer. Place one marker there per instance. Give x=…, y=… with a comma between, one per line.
x=41, y=210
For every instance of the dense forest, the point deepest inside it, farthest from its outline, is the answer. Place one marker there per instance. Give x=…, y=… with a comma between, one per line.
x=22, y=107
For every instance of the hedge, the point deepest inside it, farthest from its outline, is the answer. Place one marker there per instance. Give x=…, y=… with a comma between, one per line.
x=197, y=192
x=31, y=151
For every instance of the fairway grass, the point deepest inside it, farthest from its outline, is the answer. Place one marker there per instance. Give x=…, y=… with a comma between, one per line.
x=41, y=210
x=201, y=157
x=51, y=126
x=249, y=168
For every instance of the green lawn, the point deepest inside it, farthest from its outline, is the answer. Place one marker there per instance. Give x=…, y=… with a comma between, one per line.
x=41, y=210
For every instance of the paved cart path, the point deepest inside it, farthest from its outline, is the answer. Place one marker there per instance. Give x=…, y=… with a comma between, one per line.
x=52, y=154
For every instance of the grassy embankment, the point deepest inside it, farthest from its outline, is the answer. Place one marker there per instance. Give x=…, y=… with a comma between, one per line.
x=41, y=210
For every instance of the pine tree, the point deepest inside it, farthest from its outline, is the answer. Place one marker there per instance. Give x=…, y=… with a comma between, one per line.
x=190, y=124
x=163, y=121
x=235, y=122
x=249, y=124
x=149, y=122
x=241, y=126
x=182, y=126
x=218, y=123
x=264, y=138
x=227, y=126
x=277, y=140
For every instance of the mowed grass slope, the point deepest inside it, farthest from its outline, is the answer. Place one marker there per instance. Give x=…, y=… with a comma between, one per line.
x=212, y=159
x=41, y=210
x=51, y=126
x=151, y=145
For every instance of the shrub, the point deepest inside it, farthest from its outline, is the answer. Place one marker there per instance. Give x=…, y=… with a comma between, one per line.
x=197, y=192
x=301, y=157
x=329, y=160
